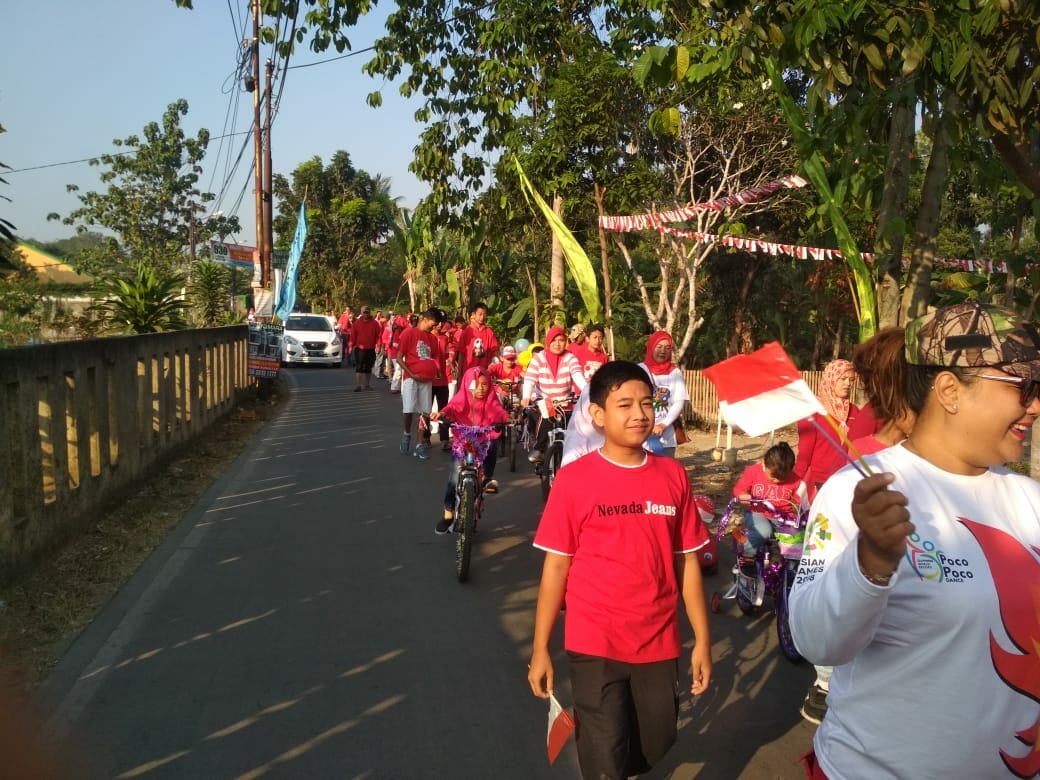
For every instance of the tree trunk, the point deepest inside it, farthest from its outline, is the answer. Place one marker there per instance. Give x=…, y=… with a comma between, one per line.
x=534, y=299
x=556, y=276
x=742, y=337
x=918, y=290
x=598, y=193
x=888, y=247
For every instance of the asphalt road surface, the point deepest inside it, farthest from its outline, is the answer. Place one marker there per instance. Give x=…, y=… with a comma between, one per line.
x=304, y=621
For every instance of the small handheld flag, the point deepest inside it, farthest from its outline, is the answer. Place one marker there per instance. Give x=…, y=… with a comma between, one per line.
x=762, y=391
x=561, y=725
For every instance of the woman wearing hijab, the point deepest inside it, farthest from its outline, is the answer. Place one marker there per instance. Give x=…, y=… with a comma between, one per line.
x=474, y=404
x=817, y=459
x=670, y=394
x=549, y=377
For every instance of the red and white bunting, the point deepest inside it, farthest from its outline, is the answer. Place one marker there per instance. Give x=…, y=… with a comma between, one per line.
x=820, y=253
x=627, y=224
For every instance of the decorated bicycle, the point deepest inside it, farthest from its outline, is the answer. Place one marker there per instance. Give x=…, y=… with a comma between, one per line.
x=771, y=571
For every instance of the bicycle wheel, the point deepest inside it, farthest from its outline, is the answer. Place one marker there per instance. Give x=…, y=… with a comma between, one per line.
x=783, y=618
x=746, y=594
x=465, y=524
x=511, y=432
x=549, y=469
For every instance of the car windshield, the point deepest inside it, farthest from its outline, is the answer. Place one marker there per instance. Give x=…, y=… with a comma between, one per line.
x=308, y=323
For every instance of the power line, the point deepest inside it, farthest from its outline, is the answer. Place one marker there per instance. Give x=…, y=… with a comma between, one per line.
x=105, y=154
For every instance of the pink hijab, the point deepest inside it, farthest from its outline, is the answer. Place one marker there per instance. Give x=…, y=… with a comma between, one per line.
x=465, y=409
x=836, y=407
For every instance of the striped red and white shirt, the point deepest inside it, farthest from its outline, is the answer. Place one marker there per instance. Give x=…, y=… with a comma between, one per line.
x=539, y=381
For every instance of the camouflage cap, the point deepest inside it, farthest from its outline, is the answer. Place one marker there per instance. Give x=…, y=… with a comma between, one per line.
x=971, y=335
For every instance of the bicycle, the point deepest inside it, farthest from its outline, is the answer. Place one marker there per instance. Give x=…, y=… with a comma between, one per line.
x=550, y=465
x=512, y=433
x=469, y=445
x=771, y=572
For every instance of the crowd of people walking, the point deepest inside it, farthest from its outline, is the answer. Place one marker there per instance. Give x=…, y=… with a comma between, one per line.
x=911, y=581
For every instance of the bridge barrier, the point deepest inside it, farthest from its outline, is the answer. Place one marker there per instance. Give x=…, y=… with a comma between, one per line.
x=81, y=421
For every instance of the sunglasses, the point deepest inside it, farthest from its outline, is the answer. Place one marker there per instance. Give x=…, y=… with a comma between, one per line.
x=1028, y=389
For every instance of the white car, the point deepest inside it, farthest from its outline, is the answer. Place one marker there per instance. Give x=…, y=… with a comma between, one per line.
x=311, y=339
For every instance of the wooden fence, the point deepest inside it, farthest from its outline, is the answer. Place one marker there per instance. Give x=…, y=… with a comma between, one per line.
x=703, y=407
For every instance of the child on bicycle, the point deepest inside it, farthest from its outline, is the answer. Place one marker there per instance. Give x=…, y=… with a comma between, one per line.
x=507, y=375
x=620, y=533
x=772, y=480
x=473, y=404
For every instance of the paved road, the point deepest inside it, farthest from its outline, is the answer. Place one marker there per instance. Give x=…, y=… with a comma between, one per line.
x=303, y=620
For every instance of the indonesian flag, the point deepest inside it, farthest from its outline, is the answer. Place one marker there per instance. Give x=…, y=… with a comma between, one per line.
x=762, y=391
x=560, y=727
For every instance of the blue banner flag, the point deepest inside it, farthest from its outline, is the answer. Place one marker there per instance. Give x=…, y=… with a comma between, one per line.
x=287, y=294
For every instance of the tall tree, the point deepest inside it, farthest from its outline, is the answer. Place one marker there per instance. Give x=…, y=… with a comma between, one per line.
x=152, y=205
x=349, y=212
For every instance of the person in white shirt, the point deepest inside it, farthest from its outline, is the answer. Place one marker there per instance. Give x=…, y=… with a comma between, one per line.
x=920, y=583
x=670, y=393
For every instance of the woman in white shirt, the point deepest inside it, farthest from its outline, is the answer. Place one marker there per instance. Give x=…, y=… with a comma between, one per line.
x=920, y=583
x=670, y=393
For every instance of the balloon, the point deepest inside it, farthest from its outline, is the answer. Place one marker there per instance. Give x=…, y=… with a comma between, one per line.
x=521, y=345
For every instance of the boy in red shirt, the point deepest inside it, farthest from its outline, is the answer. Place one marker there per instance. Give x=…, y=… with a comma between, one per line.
x=623, y=554
x=419, y=357
x=477, y=342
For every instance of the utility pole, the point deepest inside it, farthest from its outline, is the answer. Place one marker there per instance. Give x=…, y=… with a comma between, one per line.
x=258, y=157
x=268, y=202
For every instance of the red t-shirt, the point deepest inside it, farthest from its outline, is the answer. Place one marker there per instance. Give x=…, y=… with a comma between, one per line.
x=498, y=371
x=622, y=528
x=590, y=361
x=421, y=353
x=472, y=340
x=364, y=334
x=789, y=495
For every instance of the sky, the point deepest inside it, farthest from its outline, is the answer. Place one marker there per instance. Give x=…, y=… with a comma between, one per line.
x=77, y=75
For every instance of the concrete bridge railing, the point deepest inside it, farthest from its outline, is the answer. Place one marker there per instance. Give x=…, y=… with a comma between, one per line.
x=82, y=420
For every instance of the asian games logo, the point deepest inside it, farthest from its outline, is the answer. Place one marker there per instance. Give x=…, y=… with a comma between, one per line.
x=819, y=534
x=924, y=558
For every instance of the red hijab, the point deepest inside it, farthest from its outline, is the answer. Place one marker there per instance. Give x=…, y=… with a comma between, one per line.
x=551, y=357
x=660, y=369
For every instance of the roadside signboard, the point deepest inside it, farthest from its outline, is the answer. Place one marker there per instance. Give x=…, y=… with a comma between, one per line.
x=265, y=351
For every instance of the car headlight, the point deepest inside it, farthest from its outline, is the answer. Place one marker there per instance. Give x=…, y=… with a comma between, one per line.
x=290, y=341
x=335, y=342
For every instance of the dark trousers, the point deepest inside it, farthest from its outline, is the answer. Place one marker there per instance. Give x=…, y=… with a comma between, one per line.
x=625, y=714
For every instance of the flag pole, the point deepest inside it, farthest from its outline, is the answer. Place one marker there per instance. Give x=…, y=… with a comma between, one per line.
x=863, y=469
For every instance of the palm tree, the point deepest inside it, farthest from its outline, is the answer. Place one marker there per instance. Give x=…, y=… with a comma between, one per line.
x=148, y=302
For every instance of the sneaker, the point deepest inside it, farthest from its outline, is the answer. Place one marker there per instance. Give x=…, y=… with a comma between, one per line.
x=535, y=456
x=420, y=452
x=406, y=443
x=815, y=705
x=491, y=486
x=357, y=389
x=445, y=523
